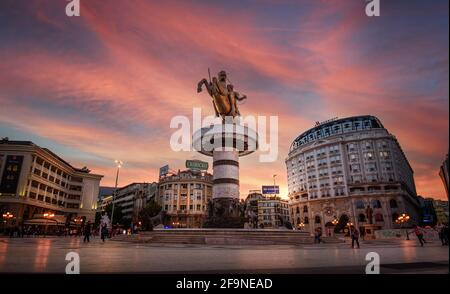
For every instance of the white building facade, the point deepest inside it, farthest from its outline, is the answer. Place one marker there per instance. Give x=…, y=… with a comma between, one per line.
x=34, y=181
x=339, y=168
x=133, y=197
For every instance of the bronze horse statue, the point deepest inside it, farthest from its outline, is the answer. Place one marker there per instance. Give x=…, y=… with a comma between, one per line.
x=223, y=95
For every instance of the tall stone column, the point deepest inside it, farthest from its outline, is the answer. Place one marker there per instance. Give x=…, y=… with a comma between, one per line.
x=226, y=174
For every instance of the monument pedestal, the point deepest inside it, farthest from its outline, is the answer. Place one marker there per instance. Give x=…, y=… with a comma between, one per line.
x=369, y=231
x=225, y=143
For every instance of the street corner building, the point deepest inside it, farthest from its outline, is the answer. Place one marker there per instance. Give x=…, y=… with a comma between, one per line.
x=184, y=197
x=36, y=182
x=341, y=169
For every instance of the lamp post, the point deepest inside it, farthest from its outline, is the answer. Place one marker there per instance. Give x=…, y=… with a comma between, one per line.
x=301, y=226
x=403, y=218
x=349, y=225
x=119, y=165
x=274, y=176
x=49, y=216
x=7, y=216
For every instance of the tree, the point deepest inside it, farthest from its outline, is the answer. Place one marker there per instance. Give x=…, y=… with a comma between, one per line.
x=118, y=216
x=150, y=210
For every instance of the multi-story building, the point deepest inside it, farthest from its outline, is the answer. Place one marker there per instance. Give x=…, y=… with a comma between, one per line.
x=443, y=173
x=184, y=196
x=251, y=207
x=35, y=181
x=133, y=197
x=273, y=213
x=441, y=210
x=427, y=212
x=339, y=168
x=105, y=196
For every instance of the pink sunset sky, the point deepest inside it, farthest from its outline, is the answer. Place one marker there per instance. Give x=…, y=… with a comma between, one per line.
x=105, y=85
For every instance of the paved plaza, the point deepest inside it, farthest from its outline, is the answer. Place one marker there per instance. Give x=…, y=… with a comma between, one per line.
x=47, y=255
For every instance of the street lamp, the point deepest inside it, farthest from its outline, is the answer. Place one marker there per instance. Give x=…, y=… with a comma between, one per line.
x=119, y=165
x=349, y=225
x=8, y=215
x=334, y=221
x=301, y=225
x=403, y=218
x=274, y=176
x=48, y=215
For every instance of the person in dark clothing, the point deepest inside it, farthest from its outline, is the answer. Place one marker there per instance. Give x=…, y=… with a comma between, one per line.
x=419, y=233
x=355, y=237
x=87, y=232
x=104, y=232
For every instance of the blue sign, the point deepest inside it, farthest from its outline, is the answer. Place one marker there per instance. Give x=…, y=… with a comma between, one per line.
x=271, y=190
x=164, y=170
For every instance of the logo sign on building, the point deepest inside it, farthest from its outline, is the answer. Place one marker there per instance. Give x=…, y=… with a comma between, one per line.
x=164, y=170
x=196, y=164
x=11, y=174
x=270, y=190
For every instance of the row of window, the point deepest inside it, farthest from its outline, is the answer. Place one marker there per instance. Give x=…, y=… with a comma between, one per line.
x=57, y=181
x=53, y=201
x=197, y=207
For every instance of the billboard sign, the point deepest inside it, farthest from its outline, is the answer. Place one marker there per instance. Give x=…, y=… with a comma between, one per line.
x=164, y=170
x=271, y=190
x=197, y=164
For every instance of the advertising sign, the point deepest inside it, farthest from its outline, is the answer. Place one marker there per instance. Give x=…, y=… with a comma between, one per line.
x=270, y=190
x=164, y=170
x=196, y=164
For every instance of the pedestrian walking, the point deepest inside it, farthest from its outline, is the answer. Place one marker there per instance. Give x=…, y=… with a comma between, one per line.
x=419, y=234
x=87, y=232
x=318, y=235
x=104, y=232
x=355, y=237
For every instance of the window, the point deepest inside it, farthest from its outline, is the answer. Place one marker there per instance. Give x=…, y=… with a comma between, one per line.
x=376, y=203
x=317, y=219
x=305, y=208
x=384, y=154
x=360, y=204
x=393, y=203
x=362, y=217
x=368, y=156
x=371, y=167
x=297, y=210
x=355, y=168
x=306, y=220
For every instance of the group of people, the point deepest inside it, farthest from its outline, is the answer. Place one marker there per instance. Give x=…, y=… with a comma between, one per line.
x=87, y=232
x=442, y=230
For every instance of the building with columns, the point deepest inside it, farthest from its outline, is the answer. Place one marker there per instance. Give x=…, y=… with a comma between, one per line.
x=35, y=181
x=184, y=196
x=339, y=168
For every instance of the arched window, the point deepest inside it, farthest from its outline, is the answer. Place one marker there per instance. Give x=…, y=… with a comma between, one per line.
x=305, y=208
x=376, y=204
x=360, y=204
x=298, y=220
x=298, y=209
x=362, y=217
x=379, y=217
x=317, y=219
x=393, y=203
x=394, y=217
x=306, y=220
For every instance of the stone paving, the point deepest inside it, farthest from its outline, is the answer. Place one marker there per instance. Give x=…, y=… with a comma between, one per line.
x=47, y=255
